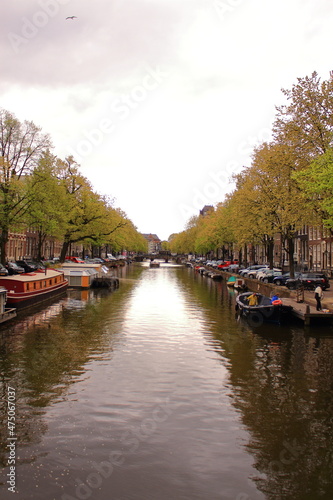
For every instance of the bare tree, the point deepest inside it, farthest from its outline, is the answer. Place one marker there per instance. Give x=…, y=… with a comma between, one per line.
x=21, y=146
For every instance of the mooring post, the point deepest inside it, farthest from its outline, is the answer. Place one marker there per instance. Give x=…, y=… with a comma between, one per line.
x=307, y=316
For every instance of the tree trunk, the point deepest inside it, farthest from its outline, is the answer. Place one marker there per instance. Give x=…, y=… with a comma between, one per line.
x=245, y=255
x=270, y=253
x=231, y=251
x=64, y=251
x=240, y=256
x=291, y=250
x=41, y=239
x=3, y=242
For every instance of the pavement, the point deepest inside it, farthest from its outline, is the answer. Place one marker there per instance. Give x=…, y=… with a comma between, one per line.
x=327, y=301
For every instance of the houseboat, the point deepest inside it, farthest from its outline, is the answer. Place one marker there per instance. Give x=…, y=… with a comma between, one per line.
x=84, y=275
x=30, y=288
x=6, y=313
x=80, y=278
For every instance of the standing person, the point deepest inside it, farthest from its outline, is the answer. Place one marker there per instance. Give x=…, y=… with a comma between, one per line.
x=318, y=296
x=253, y=299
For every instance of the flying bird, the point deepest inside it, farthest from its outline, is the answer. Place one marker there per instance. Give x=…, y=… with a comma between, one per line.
x=71, y=17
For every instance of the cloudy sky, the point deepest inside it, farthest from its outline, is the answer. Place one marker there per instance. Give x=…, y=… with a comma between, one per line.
x=159, y=101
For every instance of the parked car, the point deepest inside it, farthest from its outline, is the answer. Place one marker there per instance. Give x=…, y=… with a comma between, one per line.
x=95, y=260
x=13, y=268
x=267, y=275
x=77, y=260
x=253, y=273
x=3, y=271
x=281, y=280
x=225, y=264
x=255, y=267
x=28, y=265
x=233, y=268
x=309, y=281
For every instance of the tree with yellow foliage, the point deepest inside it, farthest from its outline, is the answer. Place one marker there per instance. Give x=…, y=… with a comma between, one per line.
x=305, y=123
x=270, y=198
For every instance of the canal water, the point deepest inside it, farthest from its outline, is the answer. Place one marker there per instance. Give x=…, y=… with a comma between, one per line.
x=156, y=391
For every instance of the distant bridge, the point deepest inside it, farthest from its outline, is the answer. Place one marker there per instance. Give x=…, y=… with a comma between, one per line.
x=162, y=255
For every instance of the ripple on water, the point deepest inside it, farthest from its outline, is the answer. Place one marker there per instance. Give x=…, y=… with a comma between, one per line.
x=161, y=373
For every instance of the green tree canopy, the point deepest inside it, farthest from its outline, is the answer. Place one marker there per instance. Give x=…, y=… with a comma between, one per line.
x=21, y=147
x=316, y=183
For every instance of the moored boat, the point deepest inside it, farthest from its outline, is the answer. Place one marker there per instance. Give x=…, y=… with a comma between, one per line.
x=237, y=284
x=240, y=285
x=6, y=313
x=80, y=278
x=29, y=288
x=154, y=264
x=264, y=310
x=231, y=281
x=216, y=276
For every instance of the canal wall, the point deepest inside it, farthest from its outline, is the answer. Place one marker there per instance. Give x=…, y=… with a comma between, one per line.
x=258, y=286
x=270, y=289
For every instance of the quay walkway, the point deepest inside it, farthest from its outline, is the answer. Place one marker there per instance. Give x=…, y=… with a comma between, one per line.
x=304, y=308
x=306, y=311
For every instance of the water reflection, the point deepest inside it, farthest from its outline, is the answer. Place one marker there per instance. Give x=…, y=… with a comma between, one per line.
x=286, y=401
x=43, y=354
x=281, y=381
x=161, y=383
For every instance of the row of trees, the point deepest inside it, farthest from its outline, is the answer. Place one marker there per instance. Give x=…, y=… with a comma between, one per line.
x=39, y=190
x=289, y=183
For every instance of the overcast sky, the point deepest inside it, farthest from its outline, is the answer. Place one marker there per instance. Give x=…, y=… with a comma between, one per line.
x=159, y=101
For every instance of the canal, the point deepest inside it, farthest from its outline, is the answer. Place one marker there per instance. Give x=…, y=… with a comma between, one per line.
x=156, y=391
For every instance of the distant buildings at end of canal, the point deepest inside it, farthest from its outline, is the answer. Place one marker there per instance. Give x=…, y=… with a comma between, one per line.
x=154, y=243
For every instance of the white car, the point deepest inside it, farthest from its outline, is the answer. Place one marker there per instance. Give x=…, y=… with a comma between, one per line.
x=267, y=275
x=251, y=270
x=253, y=273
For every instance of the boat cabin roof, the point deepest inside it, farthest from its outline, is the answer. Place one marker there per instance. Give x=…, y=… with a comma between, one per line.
x=27, y=277
x=80, y=272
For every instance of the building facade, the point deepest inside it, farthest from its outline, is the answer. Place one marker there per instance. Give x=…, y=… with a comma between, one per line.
x=25, y=244
x=154, y=243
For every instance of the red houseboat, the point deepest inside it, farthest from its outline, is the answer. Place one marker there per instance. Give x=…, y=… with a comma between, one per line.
x=29, y=288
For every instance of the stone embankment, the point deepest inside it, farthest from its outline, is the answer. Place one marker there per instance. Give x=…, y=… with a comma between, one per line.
x=270, y=289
